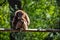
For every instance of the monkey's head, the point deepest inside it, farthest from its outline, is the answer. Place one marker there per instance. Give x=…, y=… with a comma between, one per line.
x=19, y=14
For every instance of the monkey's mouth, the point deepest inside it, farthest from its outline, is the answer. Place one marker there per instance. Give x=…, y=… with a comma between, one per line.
x=19, y=18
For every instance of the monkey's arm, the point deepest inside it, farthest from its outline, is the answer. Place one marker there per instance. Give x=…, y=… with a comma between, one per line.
x=28, y=20
x=14, y=22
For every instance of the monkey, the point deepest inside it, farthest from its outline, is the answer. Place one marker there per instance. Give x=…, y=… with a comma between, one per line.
x=20, y=20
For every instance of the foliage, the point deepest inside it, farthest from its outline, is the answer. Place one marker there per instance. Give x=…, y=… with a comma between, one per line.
x=42, y=13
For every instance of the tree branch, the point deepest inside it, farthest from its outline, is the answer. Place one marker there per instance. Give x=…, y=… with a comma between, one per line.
x=29, y=30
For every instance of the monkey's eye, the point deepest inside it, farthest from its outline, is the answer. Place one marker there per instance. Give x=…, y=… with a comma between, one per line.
x=19, y=14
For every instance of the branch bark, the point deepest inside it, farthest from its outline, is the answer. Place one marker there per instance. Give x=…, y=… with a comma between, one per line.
x=29, y=30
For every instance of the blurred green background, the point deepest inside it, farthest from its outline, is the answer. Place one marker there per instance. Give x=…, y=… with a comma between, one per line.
x=42, y=13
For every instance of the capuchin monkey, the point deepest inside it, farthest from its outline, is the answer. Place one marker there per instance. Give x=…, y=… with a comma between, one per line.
x=20, y=20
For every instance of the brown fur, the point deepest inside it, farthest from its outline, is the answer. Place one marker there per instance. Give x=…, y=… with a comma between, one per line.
x=20, y=20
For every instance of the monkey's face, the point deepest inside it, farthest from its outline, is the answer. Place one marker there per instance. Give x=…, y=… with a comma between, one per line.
x=19, y=15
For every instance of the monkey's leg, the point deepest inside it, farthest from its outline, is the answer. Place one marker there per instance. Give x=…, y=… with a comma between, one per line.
x=25, y=27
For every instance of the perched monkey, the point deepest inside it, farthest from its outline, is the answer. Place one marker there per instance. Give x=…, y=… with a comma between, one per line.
x=20, y=20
